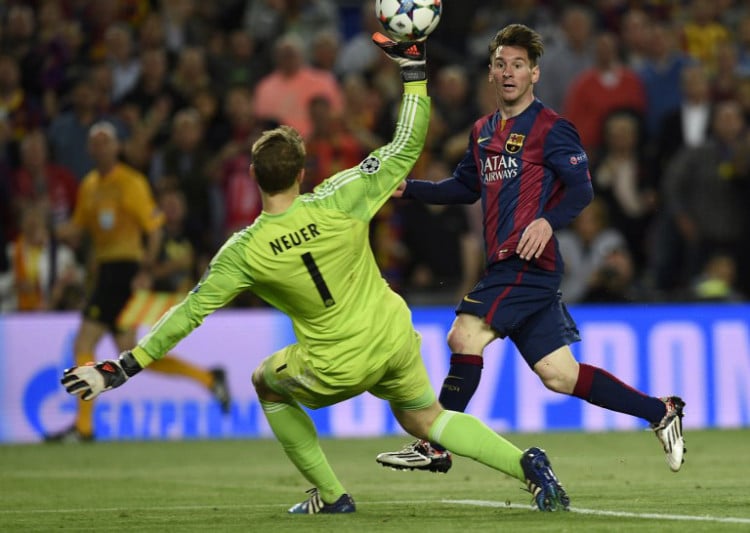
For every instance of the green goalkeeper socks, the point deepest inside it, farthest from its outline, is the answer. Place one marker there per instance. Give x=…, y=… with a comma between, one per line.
x=296, y=433
x=467, y=436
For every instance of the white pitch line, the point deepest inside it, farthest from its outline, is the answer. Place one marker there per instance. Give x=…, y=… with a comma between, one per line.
x=618, y=514
x=477, y=503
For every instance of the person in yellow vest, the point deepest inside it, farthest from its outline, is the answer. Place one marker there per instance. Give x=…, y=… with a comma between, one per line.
x=116, y=210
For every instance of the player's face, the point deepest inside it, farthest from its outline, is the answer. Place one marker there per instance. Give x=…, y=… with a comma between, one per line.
x=103, y=148
x=513, y=75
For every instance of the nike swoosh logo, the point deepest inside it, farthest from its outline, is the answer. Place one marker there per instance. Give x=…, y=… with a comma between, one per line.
x=471, y=300
x=483, y=139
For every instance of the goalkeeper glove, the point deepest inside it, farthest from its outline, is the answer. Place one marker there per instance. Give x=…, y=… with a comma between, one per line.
x=91, y=379
x=411, y=56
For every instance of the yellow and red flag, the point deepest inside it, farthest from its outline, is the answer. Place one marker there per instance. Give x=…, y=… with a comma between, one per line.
x=146, y=307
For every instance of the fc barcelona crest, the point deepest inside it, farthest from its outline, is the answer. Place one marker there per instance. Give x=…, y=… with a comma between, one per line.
x=514, y=143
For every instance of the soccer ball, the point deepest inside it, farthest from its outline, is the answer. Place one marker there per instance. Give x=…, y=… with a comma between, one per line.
x=409, y=20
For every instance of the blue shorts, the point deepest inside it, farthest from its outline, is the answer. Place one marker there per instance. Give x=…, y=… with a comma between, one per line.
x=523, y=302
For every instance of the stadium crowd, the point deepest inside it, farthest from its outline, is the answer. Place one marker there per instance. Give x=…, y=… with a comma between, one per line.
x=658, y=89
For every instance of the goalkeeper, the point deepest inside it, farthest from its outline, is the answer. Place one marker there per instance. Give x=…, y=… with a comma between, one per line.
x=309, y=256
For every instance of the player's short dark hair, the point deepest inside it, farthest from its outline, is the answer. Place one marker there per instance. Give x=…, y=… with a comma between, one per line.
x=522, y=36
x=277, y=157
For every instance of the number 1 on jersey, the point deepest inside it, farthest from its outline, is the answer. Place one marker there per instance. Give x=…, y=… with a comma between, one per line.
x=317, y=278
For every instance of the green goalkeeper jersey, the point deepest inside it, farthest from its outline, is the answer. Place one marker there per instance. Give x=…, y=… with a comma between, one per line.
x=314, y=263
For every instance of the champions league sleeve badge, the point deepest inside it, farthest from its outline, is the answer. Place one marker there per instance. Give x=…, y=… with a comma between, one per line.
x=370, y=165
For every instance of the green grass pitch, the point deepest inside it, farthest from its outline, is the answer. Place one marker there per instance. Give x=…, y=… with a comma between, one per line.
x=616, y=481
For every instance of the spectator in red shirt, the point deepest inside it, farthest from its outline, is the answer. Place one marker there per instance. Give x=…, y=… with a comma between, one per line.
x=330, y=147
x=597, y=92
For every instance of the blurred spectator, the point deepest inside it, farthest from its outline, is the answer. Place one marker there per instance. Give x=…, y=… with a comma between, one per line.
x=454, y=110
x=96, y=18
x=265, y=20
x=305, y=18
x=726, y=77
x=386, y=232
x=8, y=226
x=102, y=77
x=449, y=42
x=75, y=61
x=182, y=28
x=183, y=164
x=240, y=202
x=239, y=121
x=174, y=268
x=743, y=96
x=126, y=67
x=386, y=80
x=635, y=28
x=729, y=13
x=241, y=64
x=206, y=102
x=221, y=15
x=489, y=17
x=623, y=180
x=660, y=72
x=330, y=147
x=706, y=193
x=18, y=37
x=151, y=34
x=46, y=65
x=326, y=44
x=190, y=75
x=717, y=281
x=665, y=261
x=366, y=114
x=614, y=281
x=358, y=55
x=43, y=273
x=39, y=181
x=687, y=125
x=22, y=112
x=702, y=33
x=243, y=203
x=742, y=42
x=599, y=91
x=241, y=196
x=598, y=265
x=566, y=58
x=292, y=85
x=68, y=132
x=153, y=92
x=443, y=256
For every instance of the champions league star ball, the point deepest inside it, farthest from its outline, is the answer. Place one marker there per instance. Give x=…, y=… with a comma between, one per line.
x=409, y=20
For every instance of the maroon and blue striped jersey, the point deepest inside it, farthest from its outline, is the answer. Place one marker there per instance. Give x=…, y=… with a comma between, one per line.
x=527, y=167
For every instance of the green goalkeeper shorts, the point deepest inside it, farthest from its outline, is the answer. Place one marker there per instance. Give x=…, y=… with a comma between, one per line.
x=402, y=380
